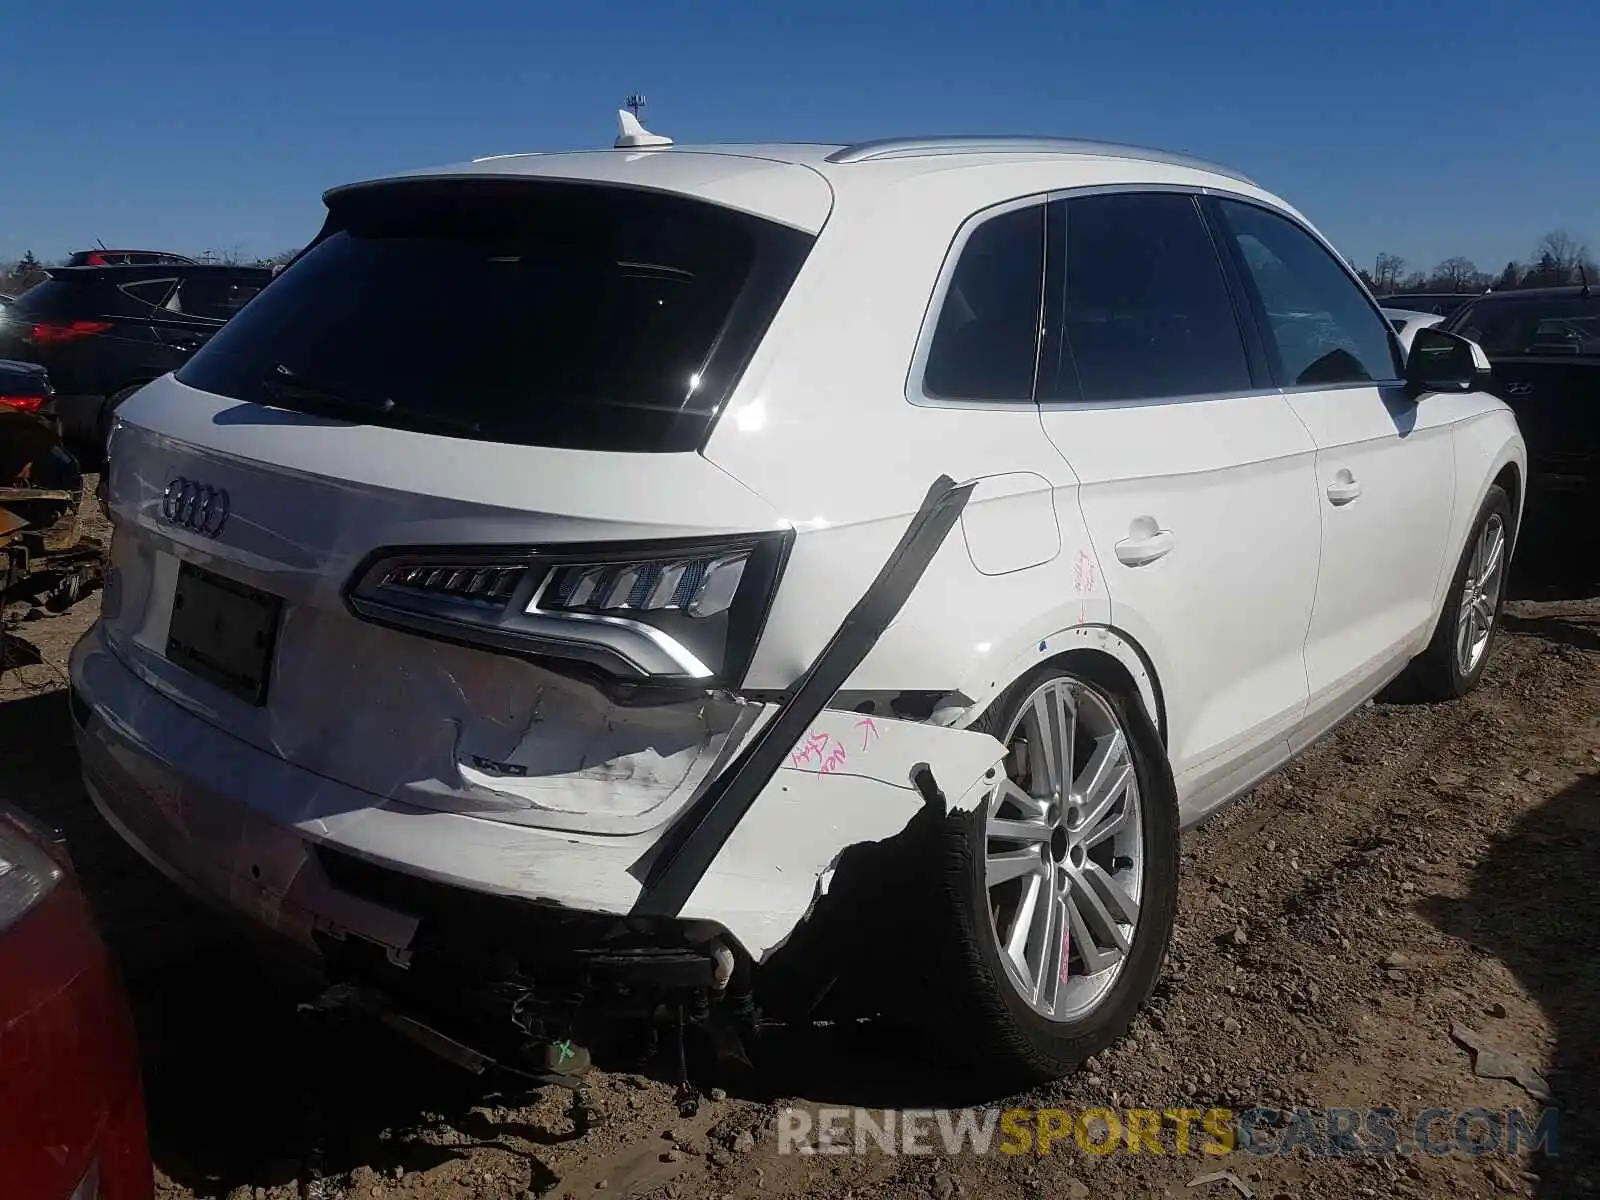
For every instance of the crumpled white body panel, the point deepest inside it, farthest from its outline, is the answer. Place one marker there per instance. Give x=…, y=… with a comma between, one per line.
x=238, y=823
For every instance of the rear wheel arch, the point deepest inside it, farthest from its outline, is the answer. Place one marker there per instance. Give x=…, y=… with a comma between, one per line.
x=1509, y=480
x=983, y=1019
x=1117, y=652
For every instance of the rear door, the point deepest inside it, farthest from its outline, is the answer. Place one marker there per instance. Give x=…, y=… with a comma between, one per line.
x=1196, y=477
x=1385, y=463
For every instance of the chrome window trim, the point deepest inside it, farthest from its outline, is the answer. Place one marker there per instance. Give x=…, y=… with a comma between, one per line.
x=1054, y=406
x=916, y=395
x=914, y=389
x=1396, y=354
x=170, y=280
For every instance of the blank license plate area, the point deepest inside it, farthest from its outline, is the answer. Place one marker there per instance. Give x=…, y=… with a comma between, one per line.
x=223, y=631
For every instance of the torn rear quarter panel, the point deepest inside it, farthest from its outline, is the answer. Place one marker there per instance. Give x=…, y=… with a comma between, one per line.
x=846, y=782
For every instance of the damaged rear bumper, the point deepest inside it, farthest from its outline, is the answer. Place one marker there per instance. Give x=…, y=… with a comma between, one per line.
x=245, y=827
x=747, y=862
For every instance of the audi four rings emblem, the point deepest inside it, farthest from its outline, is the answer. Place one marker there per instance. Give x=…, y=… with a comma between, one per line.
x=196, y=506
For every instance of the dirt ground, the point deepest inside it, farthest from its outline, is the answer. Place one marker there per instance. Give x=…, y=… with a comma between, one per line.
x=1421, y=866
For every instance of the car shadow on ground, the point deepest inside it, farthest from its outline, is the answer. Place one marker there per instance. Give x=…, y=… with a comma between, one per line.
x=1533, y=903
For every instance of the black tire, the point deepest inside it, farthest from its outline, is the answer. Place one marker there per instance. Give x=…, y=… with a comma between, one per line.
x=1436, y=674
x=1002, y=1041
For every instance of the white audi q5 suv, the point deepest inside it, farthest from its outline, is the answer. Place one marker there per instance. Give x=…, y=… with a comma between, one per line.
x=775, y=578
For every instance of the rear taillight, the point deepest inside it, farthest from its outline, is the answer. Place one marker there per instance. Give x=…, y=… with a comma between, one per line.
x=51, y=333
x=27, y=404
x=664, y=612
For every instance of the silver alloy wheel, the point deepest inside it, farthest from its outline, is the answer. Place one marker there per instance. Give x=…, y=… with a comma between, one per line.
x=1064, y=850
x=1481, y=596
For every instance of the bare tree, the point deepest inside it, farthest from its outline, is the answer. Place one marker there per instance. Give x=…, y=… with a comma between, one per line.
x=1456, y=274
x=1387, y=271
x=1414, y=282
x=277, y=260
x=232, y=257
x=1509, y=278
x=1559, y=255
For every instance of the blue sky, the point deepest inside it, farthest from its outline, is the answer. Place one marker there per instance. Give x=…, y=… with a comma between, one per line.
x=1426, y=128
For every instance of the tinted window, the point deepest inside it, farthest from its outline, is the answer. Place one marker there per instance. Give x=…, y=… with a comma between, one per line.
x=1515, y=325
x=549, y=314
x=50, y=298
x=987, y=340
x=214, y=297
x=1320, y=323
x=149, y=291
x=1145, y=308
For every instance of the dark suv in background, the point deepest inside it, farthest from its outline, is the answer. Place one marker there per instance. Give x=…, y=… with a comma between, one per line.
x=104, y=332
x=1440, y=303
x=1543, y=345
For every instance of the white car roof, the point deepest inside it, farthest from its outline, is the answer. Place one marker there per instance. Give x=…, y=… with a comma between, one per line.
x=797, y=184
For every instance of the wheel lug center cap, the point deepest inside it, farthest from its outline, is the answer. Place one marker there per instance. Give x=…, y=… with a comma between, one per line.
x=1058, y=844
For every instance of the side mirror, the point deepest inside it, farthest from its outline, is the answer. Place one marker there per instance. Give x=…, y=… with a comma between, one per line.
x=1445, y=362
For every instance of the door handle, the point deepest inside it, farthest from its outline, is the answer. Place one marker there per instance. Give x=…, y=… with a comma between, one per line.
x=1137, y=551
x=1344, y=488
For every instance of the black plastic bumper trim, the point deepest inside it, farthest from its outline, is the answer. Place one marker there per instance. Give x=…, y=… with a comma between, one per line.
x=695, y=839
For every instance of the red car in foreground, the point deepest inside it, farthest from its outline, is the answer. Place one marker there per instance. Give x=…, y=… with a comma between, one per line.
x=72, y=1123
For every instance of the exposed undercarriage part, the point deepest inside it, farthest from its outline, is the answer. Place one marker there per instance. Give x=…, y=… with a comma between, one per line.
x=520, y=978
x=529, y=988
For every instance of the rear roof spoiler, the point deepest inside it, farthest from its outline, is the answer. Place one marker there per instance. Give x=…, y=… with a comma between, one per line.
x=147, y=271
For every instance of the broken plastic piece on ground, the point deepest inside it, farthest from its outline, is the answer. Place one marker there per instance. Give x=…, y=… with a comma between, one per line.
x=1490, y=1062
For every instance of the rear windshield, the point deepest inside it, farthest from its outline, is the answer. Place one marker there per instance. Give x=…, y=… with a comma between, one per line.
x=51, y=297
x=1533, y=326
x=548, y=314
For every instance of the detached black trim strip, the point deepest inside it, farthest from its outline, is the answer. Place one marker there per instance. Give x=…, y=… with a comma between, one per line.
x=695, y=839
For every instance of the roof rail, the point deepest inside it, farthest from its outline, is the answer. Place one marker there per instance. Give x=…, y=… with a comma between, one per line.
x=880, y=148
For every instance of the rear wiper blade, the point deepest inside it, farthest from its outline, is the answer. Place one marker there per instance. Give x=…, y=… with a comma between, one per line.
x=332, y=401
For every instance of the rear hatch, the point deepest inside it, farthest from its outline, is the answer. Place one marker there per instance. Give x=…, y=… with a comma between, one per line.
x=1545, y=351
x=428, y=518
x=1557, y=402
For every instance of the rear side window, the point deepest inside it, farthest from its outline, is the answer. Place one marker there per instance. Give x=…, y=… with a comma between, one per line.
x=1146, y=310
x=540, y=313
x=986, y=344
x=1321, y=330
x=150, y=291
x=213, y=298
